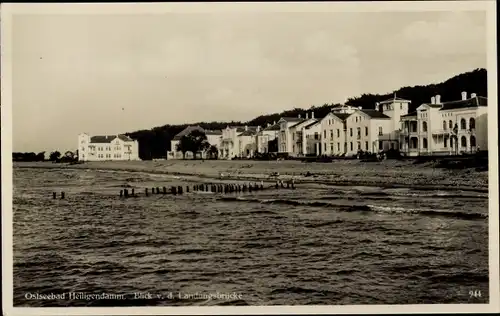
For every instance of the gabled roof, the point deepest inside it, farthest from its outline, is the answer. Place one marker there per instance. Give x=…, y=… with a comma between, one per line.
x=304, y=121
x=432, y=105
x=248, y=133
x=341, y=116
x=241, y=129
x=187, y=131
x=375, y=114
x=108, y=139
x=412, y=114
x=291, y=119
x=469, y=103
x=275, y=127
x=395, y=99
x=308, y=126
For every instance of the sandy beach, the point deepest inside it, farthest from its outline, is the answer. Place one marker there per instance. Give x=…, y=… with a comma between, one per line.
x=389, y=173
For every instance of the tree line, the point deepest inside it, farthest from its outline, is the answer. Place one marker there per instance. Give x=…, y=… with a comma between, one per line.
x=54, y=156
x=155, y=143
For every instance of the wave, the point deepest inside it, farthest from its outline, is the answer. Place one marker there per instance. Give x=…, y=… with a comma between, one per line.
x=361, y=208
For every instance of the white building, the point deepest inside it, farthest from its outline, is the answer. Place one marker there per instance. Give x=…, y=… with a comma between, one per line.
x=312, y=139
x=298, y=133
x=237, y=141
x=265, y=136
x=103, y=148
x=445, y=128
x=332, y=131
x=213, y=138
x=285, y=141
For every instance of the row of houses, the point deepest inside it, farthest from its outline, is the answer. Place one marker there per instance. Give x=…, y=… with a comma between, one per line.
x=435, y=128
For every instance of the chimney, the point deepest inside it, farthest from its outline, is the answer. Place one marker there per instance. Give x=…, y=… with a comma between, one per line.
x=299, y=115
x=312, y=114
x=438, y=99
x=268, y=124
x=307, y=115
x=464, y=95
x=377, y=107
x=246, y=127
x=472, y=95
x=360, y=107
x=433, y=100
x=258, y=128
x=274, y=122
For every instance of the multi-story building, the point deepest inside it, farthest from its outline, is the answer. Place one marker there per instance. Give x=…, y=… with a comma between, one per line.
x=285, y=141
x=297, y=133
x=332, y=131
x=444, y=128
x=265, y=137
x=312, y=139
x=102, y=148
x=213, y=138
x=238, y=141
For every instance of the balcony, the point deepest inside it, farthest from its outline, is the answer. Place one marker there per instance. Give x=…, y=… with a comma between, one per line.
x=409, y=133
x=441, y=132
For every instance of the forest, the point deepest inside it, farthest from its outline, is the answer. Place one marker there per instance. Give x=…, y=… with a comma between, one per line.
x=155, y=142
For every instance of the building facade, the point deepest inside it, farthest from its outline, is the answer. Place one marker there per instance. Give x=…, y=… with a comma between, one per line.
x=264, y=138
x=446, y=128
x=213, y=138
x=107, y=148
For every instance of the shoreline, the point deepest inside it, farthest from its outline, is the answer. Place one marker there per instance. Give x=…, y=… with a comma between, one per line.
x=387, y=174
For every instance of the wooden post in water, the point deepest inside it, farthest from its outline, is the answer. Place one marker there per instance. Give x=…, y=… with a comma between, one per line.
x=173, y=190
x=152, y=190
x=125, y=193
x=288, y=185
x=146, y=191
x=157, y=190
x=62, y=195
x=262, y=185
x=133, y=192
x=54, y=195
x=187, y=188
x=179, y=189
x=164, y=190
x=293, y=184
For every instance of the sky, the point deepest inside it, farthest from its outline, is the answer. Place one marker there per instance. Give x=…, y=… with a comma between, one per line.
x=108, y=74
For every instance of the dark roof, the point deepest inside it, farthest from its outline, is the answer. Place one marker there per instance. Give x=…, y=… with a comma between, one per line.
x=108, y=139
x=311, y=124
x=248, y=133
x=186, y=131
x=393, y=99
x=432, y=105
x=341, y=116
x=412, y=114
x=469, y=103
x=275, y=127
x=375, y=114
x=292, y=119
x=304, y=120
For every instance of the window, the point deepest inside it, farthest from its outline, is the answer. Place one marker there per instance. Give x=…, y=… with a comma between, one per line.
x=366, y=130
x=338, y=132
x=444, y=125
x=316, y=136
x=83, y=148
x=380, y=145
x=359, y=131
x=380, y=132
x=472, y=123
x=450, y=124
x=351, y=131
x=463, y=124
x=472, y=141
x=451, y=142
x=356, y=119
x=366, y=145
x=351, y=146
x=424, y=126
x=445, y=141
x=401, y=107
x=331, y=147
x=424, y=143
x=338, y=146
x=359, y=145
x=331, y=134
x=463, y=141
x=324, y=134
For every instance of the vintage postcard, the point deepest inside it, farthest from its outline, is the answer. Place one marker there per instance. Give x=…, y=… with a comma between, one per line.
x=249, y=158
